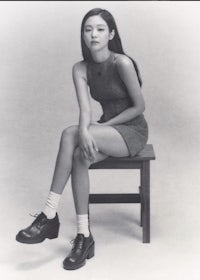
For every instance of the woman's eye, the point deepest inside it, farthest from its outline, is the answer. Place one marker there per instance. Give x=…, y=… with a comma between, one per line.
x=99, y=29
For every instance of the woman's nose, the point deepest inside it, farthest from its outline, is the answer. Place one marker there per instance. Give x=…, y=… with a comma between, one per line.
x=94, y=33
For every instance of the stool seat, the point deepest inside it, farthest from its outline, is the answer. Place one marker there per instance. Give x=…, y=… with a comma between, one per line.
x=142, y=162
x=126, y=162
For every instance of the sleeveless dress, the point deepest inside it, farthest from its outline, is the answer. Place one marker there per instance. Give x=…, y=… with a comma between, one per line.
x=107, y=87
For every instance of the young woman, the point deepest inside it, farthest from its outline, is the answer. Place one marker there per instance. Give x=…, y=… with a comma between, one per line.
x=112, y=78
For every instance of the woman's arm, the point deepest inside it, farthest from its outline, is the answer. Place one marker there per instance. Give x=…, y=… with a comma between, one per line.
x=80, y=83
x=128, y=75
x=86, y=142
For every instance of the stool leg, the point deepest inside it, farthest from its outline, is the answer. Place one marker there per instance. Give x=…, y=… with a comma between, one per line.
x=141, y=205
x=145, y=184
x=89, y=215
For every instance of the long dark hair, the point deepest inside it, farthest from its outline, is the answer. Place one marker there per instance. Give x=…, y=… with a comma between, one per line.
x=114, y=45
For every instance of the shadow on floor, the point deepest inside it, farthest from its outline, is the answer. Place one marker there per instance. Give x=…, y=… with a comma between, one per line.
x=51, y=252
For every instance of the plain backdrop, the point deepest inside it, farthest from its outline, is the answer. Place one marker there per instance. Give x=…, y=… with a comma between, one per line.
x=39, y=43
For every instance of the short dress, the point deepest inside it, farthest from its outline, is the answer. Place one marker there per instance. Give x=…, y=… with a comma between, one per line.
x=109, y=90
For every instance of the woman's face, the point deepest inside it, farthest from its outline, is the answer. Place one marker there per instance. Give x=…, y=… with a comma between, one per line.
x=96, y=33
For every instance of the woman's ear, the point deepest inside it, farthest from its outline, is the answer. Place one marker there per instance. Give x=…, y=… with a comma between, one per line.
x=112, y=34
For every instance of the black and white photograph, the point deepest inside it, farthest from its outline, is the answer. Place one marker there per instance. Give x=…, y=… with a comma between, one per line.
x=99, y=140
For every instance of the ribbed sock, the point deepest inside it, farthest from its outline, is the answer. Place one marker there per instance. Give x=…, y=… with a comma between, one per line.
x=51, y=205
x=83, y=224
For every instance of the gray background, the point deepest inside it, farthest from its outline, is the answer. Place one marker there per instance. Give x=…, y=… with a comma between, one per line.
x=39, y=43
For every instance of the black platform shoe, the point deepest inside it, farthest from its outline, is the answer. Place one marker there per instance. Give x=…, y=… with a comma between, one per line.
x=83, y=248
x=39, y=230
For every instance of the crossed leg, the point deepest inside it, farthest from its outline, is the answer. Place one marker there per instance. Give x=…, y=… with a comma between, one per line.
x=69, y=161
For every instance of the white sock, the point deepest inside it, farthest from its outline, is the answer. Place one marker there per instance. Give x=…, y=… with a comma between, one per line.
x=51, y=205
x=83, y=224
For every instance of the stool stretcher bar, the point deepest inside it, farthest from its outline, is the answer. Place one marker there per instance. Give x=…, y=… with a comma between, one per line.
x=114, y=198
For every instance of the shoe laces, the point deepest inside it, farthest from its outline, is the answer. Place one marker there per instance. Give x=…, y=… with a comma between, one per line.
x=77, y=243
x=34, y=216
x=72, y=241
x=36, y=221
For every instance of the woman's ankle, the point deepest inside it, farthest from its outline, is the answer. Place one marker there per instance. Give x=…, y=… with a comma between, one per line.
x=83, y=224
x=51, y=205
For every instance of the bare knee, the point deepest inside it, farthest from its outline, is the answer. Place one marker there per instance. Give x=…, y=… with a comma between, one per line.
x=69, y=133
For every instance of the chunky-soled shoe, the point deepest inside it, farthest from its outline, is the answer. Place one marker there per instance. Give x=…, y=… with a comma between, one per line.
x=83, y=248
x=39, y=230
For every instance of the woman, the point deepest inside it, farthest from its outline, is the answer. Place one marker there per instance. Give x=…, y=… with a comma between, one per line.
x=113, y=79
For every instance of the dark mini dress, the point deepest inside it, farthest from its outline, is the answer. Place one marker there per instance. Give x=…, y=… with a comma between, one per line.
x=107, y=87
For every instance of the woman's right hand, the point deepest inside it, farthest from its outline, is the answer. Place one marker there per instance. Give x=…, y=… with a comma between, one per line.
x=87, y=145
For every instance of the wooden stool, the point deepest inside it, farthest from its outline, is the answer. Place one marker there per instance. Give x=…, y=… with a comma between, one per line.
x=141, y=162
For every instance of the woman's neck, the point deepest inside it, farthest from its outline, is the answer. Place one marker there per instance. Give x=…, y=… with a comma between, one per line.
x=101, y=56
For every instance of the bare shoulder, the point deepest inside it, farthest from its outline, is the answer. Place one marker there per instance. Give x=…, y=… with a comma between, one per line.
x=123, y=61
x=79, y=69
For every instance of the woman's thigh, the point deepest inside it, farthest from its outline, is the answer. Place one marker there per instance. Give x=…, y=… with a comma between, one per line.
x=109, y=140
